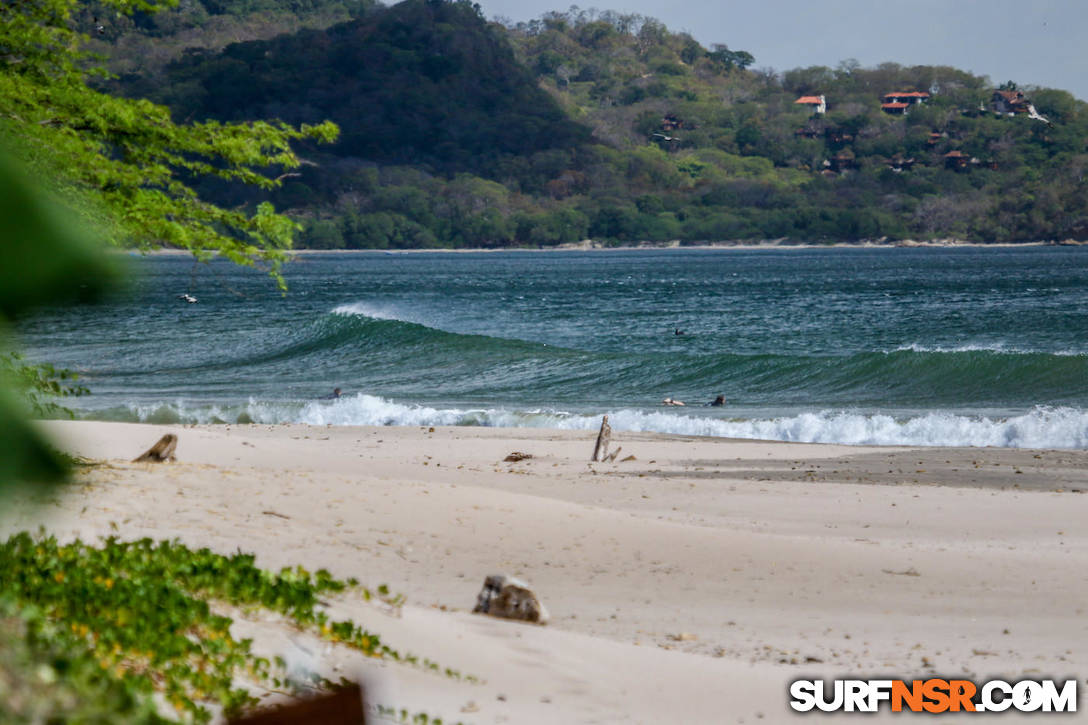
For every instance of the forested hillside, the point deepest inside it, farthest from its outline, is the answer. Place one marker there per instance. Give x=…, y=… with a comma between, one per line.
x=139, y=45
x=461, y=132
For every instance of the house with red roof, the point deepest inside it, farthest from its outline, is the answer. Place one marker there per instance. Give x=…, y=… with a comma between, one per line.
x=900, y=101
x=1010, y=102
x=1013, y=103
x=818, y=104
x=957, y=160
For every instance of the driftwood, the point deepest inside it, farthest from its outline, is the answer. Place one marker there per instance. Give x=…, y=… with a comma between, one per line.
x=160, y=452
x=343, y=706
x=275, y=513
x=603, y=439
x=517, y=456
x=509, y=598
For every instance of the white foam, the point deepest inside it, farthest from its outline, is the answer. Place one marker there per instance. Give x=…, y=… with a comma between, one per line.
x=378, y=312
x=362, y=309
x=371, y=410
x=1042, y=427
x=996, y=347
x=986, y=347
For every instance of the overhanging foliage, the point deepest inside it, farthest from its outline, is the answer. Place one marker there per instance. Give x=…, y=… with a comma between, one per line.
x=128, y=162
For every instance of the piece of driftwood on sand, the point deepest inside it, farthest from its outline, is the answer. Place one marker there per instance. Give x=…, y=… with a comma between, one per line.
x=509, y=598
x=161, y=452
x=604, y=438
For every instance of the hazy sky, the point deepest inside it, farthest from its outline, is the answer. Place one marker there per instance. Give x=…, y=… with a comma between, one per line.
x=1031, y=42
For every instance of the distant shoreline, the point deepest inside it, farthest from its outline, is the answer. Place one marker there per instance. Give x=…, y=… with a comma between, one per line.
x=590, y=246
x=721, y=246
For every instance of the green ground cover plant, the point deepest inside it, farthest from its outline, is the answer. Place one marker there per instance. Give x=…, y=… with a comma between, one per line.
x=46, y=675
x=125, y=622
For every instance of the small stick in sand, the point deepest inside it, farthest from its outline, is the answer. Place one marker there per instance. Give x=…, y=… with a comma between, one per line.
x=275, y=513
x=603, y=439
x=160, y=452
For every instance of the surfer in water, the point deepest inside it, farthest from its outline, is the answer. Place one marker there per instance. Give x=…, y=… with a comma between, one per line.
x=679, y=332
x=717, y=402
x=334, y=396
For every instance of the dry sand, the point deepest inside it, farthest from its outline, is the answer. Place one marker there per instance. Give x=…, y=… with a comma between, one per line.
x=691, y=584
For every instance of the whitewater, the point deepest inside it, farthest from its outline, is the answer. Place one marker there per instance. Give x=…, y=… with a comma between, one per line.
x=1039, y=428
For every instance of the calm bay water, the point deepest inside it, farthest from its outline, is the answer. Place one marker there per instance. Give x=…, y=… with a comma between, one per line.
x=894, y=346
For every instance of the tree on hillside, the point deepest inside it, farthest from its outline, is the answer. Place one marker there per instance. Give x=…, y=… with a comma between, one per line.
x=730, y=59
x=128, y=163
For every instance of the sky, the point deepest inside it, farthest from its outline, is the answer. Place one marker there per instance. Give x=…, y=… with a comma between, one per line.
x=1030, y=42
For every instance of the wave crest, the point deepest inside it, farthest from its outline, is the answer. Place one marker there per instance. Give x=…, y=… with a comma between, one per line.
x=374, y=312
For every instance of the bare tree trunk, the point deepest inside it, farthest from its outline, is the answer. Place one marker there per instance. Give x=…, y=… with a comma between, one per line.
x=603, y=439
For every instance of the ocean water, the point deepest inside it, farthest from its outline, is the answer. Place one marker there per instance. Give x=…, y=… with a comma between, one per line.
x=917, y=346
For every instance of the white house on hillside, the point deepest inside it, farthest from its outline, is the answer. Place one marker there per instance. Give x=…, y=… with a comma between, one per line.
x=818, y=104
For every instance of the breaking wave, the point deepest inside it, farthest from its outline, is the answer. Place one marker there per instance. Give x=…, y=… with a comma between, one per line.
x=1041, y=427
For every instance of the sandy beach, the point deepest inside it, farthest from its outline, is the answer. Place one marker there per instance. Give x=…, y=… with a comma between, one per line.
x=690, y=584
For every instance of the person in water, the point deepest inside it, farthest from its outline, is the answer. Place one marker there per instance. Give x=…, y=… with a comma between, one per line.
x=335, y=395
x=717, y=402
x=679, y=332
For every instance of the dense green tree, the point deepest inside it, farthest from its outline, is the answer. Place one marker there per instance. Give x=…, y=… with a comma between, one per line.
x=127, y=158
x=730, y=59
x=324, y=234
